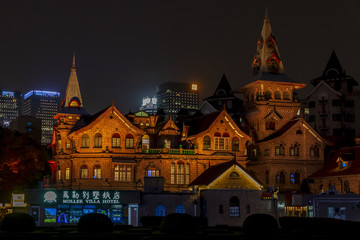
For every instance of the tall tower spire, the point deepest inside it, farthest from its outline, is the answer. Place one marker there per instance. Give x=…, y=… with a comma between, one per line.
x=267, y=57
x=73, y=95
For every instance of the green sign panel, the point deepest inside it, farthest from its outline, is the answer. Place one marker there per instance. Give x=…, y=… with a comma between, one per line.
x=81, y=197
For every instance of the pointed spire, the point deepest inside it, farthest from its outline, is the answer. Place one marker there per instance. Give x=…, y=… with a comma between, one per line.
x=73, y=62
x=73, y=94
x=267, y=57
x=333, y=64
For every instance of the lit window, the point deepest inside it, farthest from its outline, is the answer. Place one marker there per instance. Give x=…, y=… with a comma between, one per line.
x=115, y=140
x=97, y=172
x=180, y=209
x=122, y=173
x=129, y=141
x=84, y=172
x=67, y=173
x=85, y=141
x=160, y=211
x=234, y=207
x=98, y=140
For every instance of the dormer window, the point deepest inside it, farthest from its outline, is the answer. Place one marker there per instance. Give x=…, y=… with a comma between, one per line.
x=342, y=164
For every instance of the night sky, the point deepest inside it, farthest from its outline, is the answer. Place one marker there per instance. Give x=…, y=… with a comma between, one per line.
x=125, y=48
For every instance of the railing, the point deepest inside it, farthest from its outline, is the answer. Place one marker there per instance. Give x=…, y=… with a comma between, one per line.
x=178, y=151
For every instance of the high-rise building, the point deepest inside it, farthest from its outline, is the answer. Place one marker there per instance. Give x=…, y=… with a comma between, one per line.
x=10, y=106
x=332, y=107
x=174, y=96
x=43, y=105
x=29, y=125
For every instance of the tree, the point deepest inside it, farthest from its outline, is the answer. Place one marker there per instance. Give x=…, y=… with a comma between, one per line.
x=23, y=162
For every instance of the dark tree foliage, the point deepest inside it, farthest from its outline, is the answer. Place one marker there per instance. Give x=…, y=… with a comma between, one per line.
x=23, y=162
x=18, y=222
x=95, y=222
x=269, y=225
x=178, y=223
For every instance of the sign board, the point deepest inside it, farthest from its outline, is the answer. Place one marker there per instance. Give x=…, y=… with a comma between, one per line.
x=81, y=197
x=18, y=200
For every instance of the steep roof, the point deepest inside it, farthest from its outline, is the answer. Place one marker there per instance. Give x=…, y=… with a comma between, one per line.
x=281, y=131
x=223, y=89
x=202, y=123
x=73, y=94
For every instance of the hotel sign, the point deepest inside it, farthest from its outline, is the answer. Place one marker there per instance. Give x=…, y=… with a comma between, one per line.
x=81, y=197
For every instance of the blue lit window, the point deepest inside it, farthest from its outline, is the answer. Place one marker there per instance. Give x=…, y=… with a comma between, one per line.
x=160, y=210
x=180, y=209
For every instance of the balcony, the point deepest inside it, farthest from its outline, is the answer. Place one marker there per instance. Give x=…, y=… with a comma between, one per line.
x=177, y=151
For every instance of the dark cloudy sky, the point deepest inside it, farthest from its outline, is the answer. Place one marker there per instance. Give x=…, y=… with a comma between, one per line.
x=125, y=48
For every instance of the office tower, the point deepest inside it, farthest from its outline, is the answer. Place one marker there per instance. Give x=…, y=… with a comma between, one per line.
x=173, y=96
x=29, y=125
x=10, y=106
x=43, y=105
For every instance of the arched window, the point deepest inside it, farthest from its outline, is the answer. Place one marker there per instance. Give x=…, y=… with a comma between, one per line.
x=235, y=144
x=58, y=142
x=84, y=171
x=145, y=141
x=67, y=173
x=122, y=173
x=280, y=178
x=172, y=173
x=129, y=141
x=277, y=95
x=314, y=151
x=267, y=177
x=206, y=143
x=221, y=143
x=270, y=124
x=85, y=141
x=294, y=150
x=187, y=173
x=234, y=175
x=68, y=145
x=97, y=172
x=268, y=95
x=234, y=207
x=160, y=211
x=180, y=170
x=287, y=95
x=180, y=209
x=295, y=178
x=280, y=150
x=152, y=171
x=115, y=140
x=98, y=140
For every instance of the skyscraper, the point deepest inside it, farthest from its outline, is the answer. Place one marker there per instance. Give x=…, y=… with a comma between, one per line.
x=43, y=105
x=10, y=106
x=173, y=96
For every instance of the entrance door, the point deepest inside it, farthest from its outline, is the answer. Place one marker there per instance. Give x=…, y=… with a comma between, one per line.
x=35, y=213
x=133, y=218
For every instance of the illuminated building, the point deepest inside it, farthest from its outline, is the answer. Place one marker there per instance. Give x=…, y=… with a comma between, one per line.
x=10, y=106
x=43, y=105
x=149, y=105
x=286, y=149
x=174, y=96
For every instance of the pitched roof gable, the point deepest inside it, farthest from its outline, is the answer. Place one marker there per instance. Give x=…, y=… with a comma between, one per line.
x=206, y=122
x=323, y=83
x=213, y=173
x=288, y=126
x=94, y=119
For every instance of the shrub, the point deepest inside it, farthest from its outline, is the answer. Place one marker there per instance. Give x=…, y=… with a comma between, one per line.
x=18, y=222
x=260, y=224
x=149, y=221
x=95, y=222
x=178, y=223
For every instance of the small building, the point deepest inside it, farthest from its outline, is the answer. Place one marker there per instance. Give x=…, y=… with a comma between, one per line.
x=229, y=194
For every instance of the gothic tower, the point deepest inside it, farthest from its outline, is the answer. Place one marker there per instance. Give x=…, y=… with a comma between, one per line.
x=269, y=99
